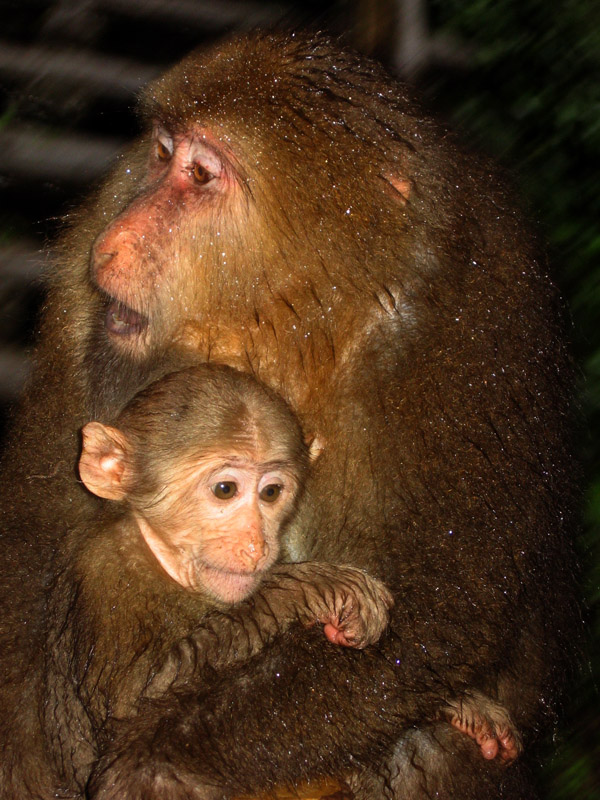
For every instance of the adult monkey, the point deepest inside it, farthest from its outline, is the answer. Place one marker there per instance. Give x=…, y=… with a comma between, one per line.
x=291, y=212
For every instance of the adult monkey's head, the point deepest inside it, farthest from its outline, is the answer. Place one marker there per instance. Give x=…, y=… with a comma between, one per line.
x=271, y=198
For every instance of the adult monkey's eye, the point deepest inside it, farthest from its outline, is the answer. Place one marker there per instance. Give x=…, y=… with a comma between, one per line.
x=201, y=175
x=162, y=150
x=270, y=493
x=225, y=490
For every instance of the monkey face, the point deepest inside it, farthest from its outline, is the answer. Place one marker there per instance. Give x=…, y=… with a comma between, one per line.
x=217, y=527
x=150, y=257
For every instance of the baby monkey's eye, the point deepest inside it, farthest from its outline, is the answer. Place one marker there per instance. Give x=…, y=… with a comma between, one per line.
x=270, y=493
x=225, y=490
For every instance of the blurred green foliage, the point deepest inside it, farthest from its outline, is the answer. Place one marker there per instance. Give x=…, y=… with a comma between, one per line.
x=530, y=96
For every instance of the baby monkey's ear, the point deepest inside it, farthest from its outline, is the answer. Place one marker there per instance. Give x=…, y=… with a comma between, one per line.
x=104, y=465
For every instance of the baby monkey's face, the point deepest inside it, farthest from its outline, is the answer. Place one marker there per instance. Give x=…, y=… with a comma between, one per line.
x=216, y=525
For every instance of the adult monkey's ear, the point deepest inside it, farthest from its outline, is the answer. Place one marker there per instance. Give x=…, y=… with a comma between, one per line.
x=105, y=462
x=400, y=186
x=315, y=446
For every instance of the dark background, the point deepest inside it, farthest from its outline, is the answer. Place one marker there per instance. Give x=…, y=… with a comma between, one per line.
x=519, y=78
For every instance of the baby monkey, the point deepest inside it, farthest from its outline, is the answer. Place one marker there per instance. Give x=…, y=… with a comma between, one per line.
x=208, y=466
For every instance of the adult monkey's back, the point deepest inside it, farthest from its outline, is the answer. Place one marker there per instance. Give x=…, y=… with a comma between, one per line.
x=292, y=213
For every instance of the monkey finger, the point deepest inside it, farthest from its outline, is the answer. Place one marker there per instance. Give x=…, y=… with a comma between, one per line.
x=338, y=636
x=510, y=746
x=489, y=747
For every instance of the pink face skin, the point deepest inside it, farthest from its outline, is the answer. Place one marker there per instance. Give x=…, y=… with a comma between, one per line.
x=214, y=525
x=217, y=528
x=137, y=260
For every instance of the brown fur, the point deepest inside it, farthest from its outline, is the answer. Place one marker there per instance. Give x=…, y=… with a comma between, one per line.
x=99, y=667
x=381, y=282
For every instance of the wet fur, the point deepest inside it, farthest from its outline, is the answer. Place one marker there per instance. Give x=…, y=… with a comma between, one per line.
x=419, y=338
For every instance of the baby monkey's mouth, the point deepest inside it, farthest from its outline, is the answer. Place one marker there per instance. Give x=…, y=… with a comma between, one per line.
x=122, y=320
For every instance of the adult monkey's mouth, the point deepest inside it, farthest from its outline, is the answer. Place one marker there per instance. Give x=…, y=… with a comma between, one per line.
x=122, y=320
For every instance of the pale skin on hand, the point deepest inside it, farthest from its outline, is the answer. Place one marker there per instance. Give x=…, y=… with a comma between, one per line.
x=488, y=723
